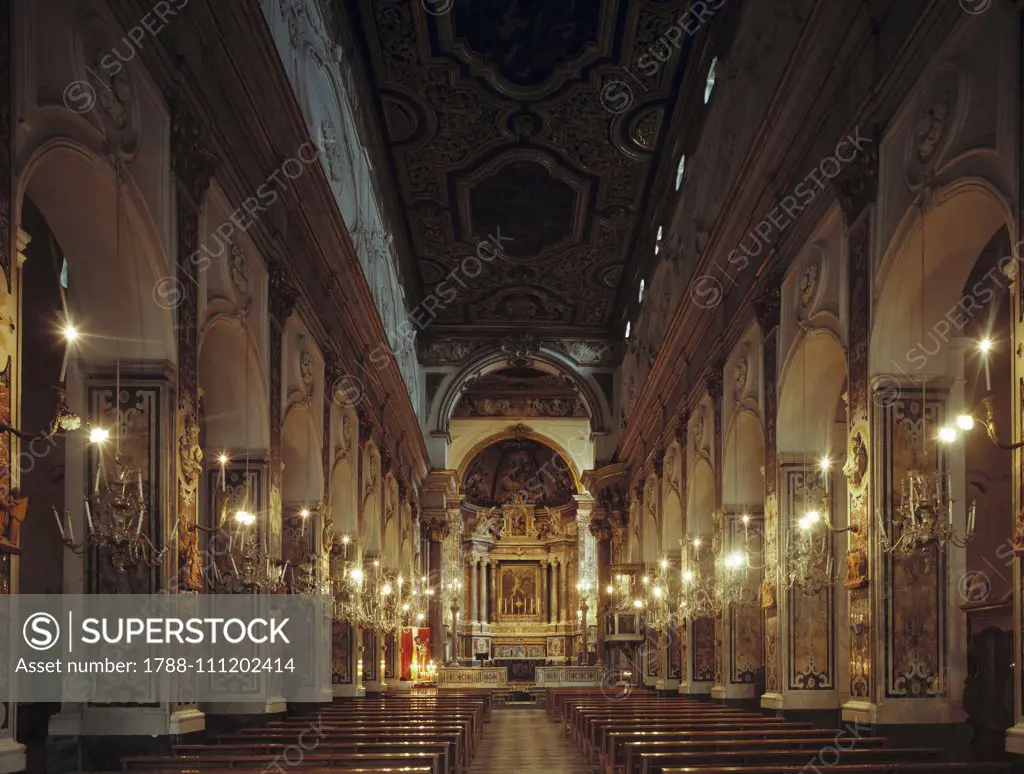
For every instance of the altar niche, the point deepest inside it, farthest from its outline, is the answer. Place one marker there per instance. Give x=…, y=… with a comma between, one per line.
x=519, y=591
x=521, y=583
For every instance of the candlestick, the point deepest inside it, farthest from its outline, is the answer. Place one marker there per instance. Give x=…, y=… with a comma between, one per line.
x=59, y=525
x=64, y=365
x=71, y=527
x=988, y=373
x=234, y=567
x=223, y=476
x=138, y=527
x=970, y=517
x=88, y=515
x=142, y=497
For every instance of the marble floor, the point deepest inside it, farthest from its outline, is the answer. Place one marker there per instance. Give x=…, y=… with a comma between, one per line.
x=525, y=741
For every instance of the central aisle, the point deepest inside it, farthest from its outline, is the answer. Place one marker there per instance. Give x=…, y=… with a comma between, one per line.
x=524, y=741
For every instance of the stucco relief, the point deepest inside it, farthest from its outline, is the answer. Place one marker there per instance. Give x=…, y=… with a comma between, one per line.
x=320, y=73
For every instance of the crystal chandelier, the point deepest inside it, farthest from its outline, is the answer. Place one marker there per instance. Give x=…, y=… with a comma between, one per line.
x=732, y=583
x=251, y=566
x=697, y=598
x=663, y=603
x=924, y=516
x=115, y=513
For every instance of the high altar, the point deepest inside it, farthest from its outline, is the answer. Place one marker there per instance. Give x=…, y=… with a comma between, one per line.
x=521, y=586
x=520, y=559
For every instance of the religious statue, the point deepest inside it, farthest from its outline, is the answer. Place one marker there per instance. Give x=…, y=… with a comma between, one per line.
x=857, y=461
x=13, y=510
x=190, y=453
x=767, y=595
x=856, y=568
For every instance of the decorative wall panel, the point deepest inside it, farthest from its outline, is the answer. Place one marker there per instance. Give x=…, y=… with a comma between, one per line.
x=810, y=616
x=915, y=607
x=136, y=429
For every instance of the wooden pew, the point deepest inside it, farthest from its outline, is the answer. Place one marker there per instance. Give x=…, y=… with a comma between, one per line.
x=328, y=747
x=383, y=734
x=613, y=744
x=208, y=762
x=931, y=767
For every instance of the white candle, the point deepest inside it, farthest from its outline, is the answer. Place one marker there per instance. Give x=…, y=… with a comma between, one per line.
x=142, y=497
x=60, y=526
x=988, y=373
x=234, y=566
x=970, y=517
x=88, y=514
x=71, y=527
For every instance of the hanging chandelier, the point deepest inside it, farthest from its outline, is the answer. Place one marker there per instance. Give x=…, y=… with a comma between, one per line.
x=115, y=513
x=925, y=515
x=664, y=601
x=698, y=597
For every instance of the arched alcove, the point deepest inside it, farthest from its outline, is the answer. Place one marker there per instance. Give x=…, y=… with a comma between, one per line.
x=232, y=391
x=672, y=528
x=742, y=461
x=302, y=477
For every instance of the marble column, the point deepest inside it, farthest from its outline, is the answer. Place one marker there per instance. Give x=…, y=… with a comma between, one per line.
x=553, y=592
x=545, y=610
x=493, y=589
x=601, y=529
x=436, y=527
x=481, y=578
x=563, y=594
x=473, y=615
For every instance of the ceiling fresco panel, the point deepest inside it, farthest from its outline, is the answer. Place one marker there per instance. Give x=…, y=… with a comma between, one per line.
x=496, y=126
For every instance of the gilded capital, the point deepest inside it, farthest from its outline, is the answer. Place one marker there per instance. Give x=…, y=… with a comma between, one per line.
x=436, y=529
x=601, y=529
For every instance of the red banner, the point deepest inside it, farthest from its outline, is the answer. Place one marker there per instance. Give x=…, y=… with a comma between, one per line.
x=415, y=653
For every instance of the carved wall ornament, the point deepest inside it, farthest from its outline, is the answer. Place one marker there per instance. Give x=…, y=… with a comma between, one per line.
x=809, y=282
x=306, y=368
x=190, y=454
x=437, y=529
x=768, y=601
x=739, y=378
x=450, y=352
x=856, y=467
x=698, y=430
x=331, y=148
x=239, y=269
x=932, y=122
x=587, y=353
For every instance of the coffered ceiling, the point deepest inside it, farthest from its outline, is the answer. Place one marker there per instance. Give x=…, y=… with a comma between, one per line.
x=501, y=128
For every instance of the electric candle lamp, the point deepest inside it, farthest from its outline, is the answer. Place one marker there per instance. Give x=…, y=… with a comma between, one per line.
x=223, y=460
x=985, y=345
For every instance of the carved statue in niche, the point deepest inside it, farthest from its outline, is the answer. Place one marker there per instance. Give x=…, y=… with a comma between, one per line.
x=13, y=510
x=856, y=568
x=488, y=522
x=767, y=595
x=698, y=432
x=548, y=523
x=856, y=462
